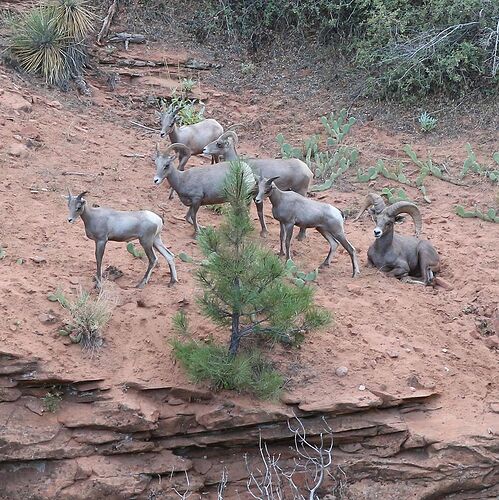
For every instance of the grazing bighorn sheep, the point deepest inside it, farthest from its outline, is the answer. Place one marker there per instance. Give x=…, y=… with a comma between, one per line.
x=293, y=209
x=399, y=256
x=290, y=174
x=196, y=186
x=105, y=224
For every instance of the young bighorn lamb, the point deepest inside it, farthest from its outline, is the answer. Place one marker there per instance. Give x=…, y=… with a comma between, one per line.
x=105, y=224
x=290, y=174
x=196, y=186
x=397, y=255
x=292, y=209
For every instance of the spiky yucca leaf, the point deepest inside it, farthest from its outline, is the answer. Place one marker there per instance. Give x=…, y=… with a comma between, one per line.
x=72, y=18
x=38, y=46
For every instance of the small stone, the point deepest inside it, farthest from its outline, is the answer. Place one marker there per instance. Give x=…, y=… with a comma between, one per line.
x=392, y=354
x=341, y=371
x=413, y=389
x=38, y=260
x=445, y=350
x=54, y=104
x=491, y=342
x=18, y=150
x=74, y=281
x=362, y=387
x=47, y=318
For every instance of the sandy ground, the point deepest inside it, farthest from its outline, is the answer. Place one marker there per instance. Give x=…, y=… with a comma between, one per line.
x=391, y=336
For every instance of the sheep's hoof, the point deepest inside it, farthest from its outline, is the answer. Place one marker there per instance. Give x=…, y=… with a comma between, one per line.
x=301, y=236
x=356, y=273
x=141, y=285
x=323, y=265
x=172, y=282
x=263, y=233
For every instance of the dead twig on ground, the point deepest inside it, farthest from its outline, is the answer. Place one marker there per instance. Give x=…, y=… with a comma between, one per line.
x=137, y=124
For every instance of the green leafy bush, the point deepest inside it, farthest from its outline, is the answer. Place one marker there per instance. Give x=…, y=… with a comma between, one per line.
x=408, y=49
x=246, y=372
x=49, y=39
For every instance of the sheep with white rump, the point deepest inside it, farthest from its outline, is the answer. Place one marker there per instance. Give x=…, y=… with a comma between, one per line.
x=105, y=224
x=292, y=209
x=291, y=174
x=400, y=256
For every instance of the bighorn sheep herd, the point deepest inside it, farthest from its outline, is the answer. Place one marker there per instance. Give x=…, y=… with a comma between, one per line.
x=284, y=181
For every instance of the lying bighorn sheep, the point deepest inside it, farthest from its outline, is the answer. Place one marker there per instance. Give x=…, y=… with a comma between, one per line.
x=195, y=136
x=196, y=186
x=290, y=174
x=399, y=256
x=292, y=209
x=105, y=224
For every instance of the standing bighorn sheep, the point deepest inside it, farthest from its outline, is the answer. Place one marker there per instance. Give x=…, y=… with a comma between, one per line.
x=290, y=174
x=292, y=209
x=196, y=186
x=195, y=136
x=105, y=224
x=399, y=256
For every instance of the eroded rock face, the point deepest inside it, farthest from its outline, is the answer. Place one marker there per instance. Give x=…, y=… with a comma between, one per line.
x=98, y=444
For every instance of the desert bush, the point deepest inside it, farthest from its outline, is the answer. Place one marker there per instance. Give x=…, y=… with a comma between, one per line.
x=52, y=400
x=49, y=39
x=408, y=49
x=246, y=372
x=88, y=317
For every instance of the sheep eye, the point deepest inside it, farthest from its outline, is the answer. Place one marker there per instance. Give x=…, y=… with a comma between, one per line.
x=219, y=144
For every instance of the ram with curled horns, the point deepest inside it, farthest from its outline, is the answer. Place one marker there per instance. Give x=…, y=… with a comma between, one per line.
x=403, y=257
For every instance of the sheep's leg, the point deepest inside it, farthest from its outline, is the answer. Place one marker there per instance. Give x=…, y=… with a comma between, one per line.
x=169, y=256
x=333, y=245
x=172, y=192
x=194, y=213
x=397, y=272
x=100, y=246
x=188, y=215
x=351, y=251
x=289, y=234
x=282, y=236
x=259, y=211
x=302, y=234
x=149, y=250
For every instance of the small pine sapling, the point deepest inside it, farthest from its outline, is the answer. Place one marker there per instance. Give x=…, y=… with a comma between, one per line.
x=245, y=285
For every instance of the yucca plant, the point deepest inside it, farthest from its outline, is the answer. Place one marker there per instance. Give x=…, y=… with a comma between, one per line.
x=73, y=18
x=38, y=46
x=49, y=39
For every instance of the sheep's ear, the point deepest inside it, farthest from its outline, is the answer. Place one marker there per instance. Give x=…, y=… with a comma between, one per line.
x=157, y=149
x=157, y=114
x=399, y=218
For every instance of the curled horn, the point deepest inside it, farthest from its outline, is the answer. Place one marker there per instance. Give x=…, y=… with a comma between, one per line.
x=271, y=180
x=81, y=195
x=408, y=208
x=229, y=133
x=372, y=199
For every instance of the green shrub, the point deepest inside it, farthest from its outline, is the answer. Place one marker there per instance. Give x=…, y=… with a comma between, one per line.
x=246, y=372
x=407, y=49
x=88, y=317
x=49, y=39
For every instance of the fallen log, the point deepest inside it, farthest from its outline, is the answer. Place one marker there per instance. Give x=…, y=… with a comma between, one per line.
x=127, y=38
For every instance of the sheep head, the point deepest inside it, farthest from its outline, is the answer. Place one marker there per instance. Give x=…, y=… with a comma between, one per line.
x=386, y=219
x=221, y=145
x=168, y=118
x=165, y=160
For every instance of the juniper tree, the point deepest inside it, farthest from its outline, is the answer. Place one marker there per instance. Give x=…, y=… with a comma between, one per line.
x=245, y=285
